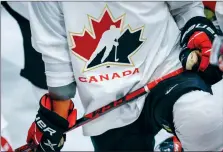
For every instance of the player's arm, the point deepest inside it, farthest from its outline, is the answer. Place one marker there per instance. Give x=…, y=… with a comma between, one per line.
x=197, y=35
x=56, y=113
x=49, y=38
x=61, y=97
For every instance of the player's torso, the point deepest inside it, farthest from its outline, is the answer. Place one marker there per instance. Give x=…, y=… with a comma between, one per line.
x=124, y=59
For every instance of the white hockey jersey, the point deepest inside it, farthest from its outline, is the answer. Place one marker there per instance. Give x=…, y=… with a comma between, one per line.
x=219, y=13
x=109, y=49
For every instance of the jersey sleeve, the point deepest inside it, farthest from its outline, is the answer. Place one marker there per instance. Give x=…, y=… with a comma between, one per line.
x=185, y=10
x=49, y=38
x=219, y=13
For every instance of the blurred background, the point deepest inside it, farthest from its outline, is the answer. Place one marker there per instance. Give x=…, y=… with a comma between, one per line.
x=23, y=81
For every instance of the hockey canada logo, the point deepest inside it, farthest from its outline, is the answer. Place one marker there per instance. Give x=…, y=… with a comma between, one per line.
x=107, y=42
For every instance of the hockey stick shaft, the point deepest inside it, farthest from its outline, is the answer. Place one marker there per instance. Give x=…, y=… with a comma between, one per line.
x=109, y=107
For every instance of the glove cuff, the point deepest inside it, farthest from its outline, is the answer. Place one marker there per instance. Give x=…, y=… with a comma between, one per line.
x=197, y=23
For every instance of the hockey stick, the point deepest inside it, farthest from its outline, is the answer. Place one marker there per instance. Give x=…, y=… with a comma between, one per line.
x=109, y=107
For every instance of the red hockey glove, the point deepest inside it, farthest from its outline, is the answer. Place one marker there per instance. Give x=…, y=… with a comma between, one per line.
x=47, y=131
x=196, y=40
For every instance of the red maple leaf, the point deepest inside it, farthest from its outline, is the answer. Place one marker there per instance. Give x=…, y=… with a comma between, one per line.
x=85, y=45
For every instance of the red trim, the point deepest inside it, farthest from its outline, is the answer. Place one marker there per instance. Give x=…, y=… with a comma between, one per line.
x=169, y=75
x=210, y=4
x=177, y=144
x=135, y=93
x=153, y=84
x=5, y=146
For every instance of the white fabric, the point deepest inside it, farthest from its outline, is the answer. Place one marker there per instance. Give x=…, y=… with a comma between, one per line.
x=3, y=123
x=184, y=11
x=219, y=13
x=20, y=8
x=198, y=119
x=53, y=24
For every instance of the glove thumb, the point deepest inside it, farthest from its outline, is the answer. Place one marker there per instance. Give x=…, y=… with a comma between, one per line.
x=72, y=118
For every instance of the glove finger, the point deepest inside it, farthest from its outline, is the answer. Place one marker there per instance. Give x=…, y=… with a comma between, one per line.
x=72, y=118
x=205, y=51
x=199, y=40
x=71, y=105
x=204, y=63
x=31, y=132
x=34, y=135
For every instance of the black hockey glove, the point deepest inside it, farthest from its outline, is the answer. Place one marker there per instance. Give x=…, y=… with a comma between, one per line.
x=196, y=40
x=47, y=131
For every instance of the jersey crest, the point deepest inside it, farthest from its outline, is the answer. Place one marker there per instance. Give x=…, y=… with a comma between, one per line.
x=108, y=42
